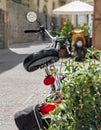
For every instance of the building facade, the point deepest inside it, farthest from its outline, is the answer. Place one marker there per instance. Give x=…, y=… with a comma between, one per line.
x=13, y=20
x=2, y=23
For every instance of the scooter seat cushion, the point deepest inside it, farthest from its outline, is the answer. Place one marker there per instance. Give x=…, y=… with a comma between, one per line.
x=38, y=59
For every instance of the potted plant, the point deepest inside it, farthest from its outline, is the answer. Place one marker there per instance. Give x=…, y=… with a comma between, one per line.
x=66, y=30
x=62, y=47
x=86, y=33
x=81, y=97
x=86, y=29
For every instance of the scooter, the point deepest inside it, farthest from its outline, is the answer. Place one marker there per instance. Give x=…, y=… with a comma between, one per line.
x=57, y=42
x=78, y=44
x=31, y=118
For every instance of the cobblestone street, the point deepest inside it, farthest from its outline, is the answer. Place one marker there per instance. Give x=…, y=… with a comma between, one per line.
x=18, y=88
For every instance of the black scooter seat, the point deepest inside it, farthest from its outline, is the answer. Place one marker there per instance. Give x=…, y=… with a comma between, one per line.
x=41, y=58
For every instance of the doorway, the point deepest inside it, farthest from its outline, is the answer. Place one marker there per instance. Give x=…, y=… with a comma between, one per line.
x=2, y=30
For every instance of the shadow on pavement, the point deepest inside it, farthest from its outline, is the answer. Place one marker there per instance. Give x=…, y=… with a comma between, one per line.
x=16, y=53
x=9, y=59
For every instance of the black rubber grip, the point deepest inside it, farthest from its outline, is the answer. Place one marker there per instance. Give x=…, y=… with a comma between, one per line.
x=31, y=31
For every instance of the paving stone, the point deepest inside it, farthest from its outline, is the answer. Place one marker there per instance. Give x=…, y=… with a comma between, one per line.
x=18, y=88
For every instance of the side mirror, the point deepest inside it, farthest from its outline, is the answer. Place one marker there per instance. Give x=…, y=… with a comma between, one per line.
x=31, y=16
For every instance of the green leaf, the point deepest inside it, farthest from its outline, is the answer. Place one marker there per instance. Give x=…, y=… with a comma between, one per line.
x=81, y=96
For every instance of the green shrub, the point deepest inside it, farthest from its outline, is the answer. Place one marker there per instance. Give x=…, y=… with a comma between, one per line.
x=86, y=29
x=66, y=30
x=81, y=97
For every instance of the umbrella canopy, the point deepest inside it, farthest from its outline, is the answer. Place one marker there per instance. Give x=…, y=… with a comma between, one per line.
x=75, y=7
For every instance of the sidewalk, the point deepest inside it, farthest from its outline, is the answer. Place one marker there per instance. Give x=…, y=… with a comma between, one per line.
x=18, y=88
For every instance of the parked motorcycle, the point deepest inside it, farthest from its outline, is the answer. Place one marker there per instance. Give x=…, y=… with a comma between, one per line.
x=60, y=43
x=31, y=118
x=78, y=44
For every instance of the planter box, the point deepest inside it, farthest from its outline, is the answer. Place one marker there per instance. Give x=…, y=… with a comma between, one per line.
x=63, y=53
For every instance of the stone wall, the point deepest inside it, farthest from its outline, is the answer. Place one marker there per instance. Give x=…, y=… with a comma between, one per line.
x=97, y=25
x=2, y=29
x=17, y=23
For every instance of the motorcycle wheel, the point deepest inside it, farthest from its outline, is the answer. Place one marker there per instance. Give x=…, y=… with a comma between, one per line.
x=80, y=55
x=79, y=51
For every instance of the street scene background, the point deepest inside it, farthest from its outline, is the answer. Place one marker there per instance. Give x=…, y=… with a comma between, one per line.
x=19, y=88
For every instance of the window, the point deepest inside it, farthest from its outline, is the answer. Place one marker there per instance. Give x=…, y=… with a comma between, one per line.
x=17, y=1
x=38, y=3
x=46, y=0
x=25, y=2
x=53, y=5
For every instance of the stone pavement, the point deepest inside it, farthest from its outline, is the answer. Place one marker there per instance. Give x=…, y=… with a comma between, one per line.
x=18, y=88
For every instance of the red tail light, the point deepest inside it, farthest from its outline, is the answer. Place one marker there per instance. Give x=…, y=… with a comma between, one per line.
x=49, y=80
x=45, y=109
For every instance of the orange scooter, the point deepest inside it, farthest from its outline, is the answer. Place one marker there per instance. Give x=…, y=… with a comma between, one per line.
x=78, y=44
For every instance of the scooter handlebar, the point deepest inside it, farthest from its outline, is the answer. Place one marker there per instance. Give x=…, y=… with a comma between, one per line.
x=32, y=31
x=41, y=29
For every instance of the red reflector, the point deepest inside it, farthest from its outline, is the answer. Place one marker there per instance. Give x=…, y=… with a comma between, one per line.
x=45, y=109
x=49, y=80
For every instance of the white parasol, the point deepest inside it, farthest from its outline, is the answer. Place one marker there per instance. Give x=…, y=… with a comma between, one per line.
x=74, y=7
